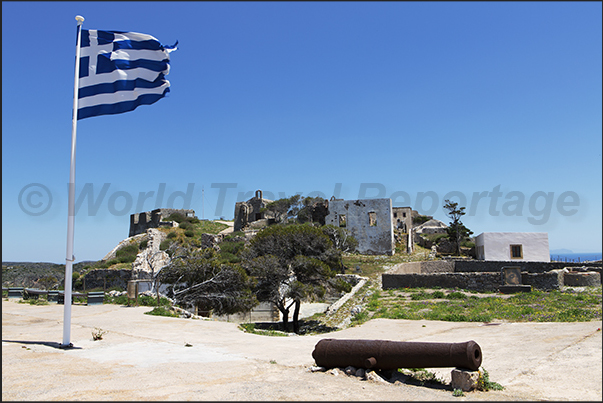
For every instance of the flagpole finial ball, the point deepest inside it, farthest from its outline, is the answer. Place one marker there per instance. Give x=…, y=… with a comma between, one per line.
x=79, y=19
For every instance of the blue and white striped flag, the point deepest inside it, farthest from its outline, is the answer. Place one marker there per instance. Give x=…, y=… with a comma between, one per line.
x=120, y=71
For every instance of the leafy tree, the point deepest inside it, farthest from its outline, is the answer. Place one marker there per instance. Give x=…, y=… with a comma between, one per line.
x=294, y=208
x=291, y=263
x=200, y=279
x=313, y=209
x=284, y=209
x=457, y=232
x=420, y=219
x=340, y=238
x=341, y=241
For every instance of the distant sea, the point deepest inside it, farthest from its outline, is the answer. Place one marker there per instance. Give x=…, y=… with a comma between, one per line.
x=575, y=257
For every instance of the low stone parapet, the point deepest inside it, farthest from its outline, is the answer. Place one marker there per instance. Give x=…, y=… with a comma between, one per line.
x=486, y=281
x=582, y=279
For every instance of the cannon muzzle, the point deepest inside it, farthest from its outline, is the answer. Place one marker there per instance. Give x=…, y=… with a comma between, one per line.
x=385, y=354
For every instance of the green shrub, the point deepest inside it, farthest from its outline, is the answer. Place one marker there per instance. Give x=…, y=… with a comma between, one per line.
x=165, y=244
x=109, y=263
x=162, y=311
x=172, y=235
x=189, y=233
x=232, y=247
x=435, y=238
x=185, y=225
x=143, y=244
x=342, y=285
x=420, y=295
x=126, y=254
x=229, y=257
x=360, y=318
x=127, y=250
x=175, y=217
x=420, y=219
x=250, y=328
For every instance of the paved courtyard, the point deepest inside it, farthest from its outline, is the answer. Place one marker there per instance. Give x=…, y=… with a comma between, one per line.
x=143, y=357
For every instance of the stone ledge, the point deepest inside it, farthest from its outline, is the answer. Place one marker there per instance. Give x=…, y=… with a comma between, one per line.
x=582, y=278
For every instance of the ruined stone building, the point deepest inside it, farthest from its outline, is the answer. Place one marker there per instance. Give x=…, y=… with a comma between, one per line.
x=367, y=220
x=370, y=221
x=432, y=226
x=140, y=222
x=250, y=211
x=402, y=218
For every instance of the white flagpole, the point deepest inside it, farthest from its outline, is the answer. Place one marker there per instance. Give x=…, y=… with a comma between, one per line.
x=71, y=204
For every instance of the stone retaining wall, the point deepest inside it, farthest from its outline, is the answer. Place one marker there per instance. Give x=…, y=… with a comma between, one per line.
x=483, y=266
x=468, y=281
x=531, y=267
x=105, y=278
x=432, y=266
x=486, y=281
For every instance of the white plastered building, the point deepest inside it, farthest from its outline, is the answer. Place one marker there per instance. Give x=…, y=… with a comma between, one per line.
x=513, y=246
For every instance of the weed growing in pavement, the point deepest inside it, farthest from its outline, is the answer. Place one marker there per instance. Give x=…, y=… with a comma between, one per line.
x=32, y=301
x=97, y=334
x=485, y=384
x=458, y=393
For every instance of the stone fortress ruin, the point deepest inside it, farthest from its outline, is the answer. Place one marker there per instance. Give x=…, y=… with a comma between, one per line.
x=367, y=220
x=378, y=226
x=141, y=222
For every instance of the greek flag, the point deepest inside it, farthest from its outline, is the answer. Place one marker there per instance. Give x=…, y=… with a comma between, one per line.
x=120, y=71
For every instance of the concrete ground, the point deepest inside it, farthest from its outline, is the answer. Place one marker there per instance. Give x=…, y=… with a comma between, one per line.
x=143, y=357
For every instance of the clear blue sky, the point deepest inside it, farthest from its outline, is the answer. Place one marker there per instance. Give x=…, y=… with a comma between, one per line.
x=496, y=105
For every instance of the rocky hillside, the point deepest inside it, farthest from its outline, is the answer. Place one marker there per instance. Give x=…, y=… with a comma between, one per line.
x=36, y=274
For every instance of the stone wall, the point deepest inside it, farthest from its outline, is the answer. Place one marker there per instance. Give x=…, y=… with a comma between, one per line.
x=481, y=275
x=472, y=266
x=402, y=218
x=151, y=259
x=476, y=281
x=532, y=267
x=551, y=280
x=141, y=222
x=367, y=220
x=432, y=266
x=249, y=211
x=106, y=278
x=264, y=312
x=468, y=281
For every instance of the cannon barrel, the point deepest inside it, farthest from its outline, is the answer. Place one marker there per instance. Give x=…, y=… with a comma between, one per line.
x=385, y=354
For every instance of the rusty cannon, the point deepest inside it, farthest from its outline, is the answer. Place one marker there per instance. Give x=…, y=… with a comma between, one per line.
x=388, y=355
